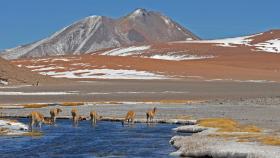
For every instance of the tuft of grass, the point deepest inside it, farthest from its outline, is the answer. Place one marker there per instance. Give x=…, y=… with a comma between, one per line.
x=253, y=137
x=230, y=129
x=35, y=105
x=250, y=129
x=221, y=123
x=225, y=136
x=228, y=125
x=72, y=104
x=33, y=134
x=248, y=137
x=3, y=131
x=270, y=140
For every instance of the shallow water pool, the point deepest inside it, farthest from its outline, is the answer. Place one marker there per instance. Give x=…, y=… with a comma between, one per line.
x=106, y=139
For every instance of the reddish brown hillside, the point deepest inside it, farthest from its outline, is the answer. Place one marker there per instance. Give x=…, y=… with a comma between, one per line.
x=11, y=74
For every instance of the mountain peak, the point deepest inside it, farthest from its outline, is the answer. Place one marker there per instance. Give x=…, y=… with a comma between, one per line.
x=139, y=12
x=95, y=33
x=92, y=17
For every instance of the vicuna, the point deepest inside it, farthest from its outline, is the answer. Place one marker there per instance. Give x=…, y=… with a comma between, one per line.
x=130, y=116
x=151, y=114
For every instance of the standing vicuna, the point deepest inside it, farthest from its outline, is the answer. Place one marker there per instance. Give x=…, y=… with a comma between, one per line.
x=94, y=117
x=130, y=116
x=151, y=114
x=75, y=116
x=37, y=119
x=54, y=112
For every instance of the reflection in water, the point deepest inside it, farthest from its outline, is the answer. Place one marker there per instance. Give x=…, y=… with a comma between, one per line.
x=106, y=139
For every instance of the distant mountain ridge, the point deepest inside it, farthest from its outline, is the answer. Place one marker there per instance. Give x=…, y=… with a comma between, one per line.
x=98, y=32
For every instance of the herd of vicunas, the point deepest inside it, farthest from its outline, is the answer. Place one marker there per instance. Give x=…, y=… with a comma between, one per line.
x=37, y=118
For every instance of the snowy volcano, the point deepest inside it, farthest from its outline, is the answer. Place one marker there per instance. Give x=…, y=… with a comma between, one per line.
x=98, y=32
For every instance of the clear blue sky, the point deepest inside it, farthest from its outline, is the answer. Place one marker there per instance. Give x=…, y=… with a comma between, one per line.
x=25, y=21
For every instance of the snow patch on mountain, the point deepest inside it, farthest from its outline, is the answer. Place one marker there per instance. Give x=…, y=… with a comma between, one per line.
x=105, y=74
x=230, y=42
x=166, y=20
x=126, y=51
x=175, y=57
x=48, y=68
x=226, y=42
x=272, y=46
x=141, y=51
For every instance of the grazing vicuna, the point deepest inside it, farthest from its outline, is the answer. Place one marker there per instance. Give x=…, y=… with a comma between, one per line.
x=151, y=114
x=75, y=116
x=37, y=119
x=54, y=112
x=94, y=117
x=130, y=116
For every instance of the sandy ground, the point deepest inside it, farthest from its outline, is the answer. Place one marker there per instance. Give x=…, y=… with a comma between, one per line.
x=138, y=90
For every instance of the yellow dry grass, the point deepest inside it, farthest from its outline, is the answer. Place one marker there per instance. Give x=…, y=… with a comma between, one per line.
x=251, y=137
x=72, y=103
x=249, y=128
x=33, y=134
x=247, y=137
x=270, y=140
x=244, y=137
x=222, y=123
x=231, y=129
x=3, y=131
x=227, y=125
x=34, y=105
